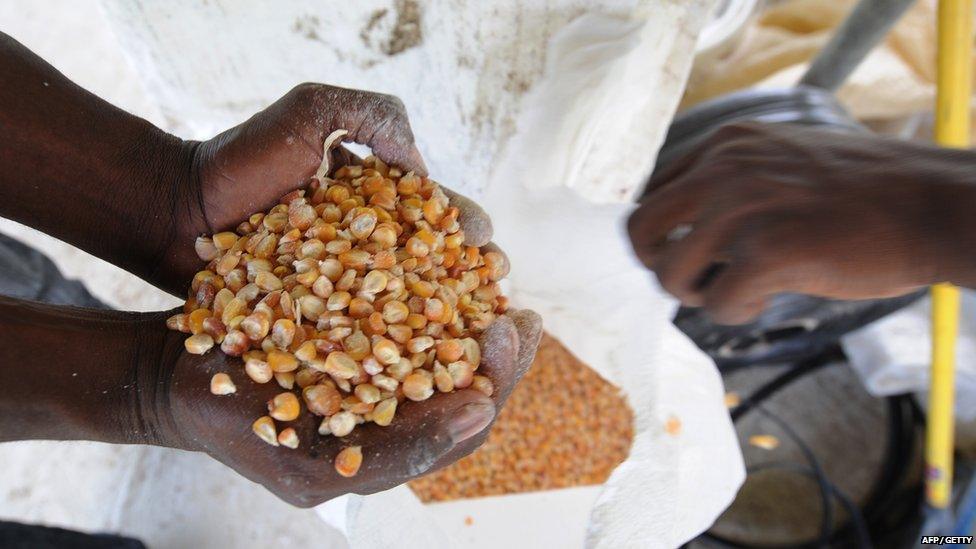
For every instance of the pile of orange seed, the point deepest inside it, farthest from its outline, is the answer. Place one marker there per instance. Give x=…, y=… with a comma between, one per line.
x=353, y=296
x=562, y=426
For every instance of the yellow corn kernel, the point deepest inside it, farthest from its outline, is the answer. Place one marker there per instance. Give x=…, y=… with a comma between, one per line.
x=286, y=380
x=461, y=373
x=284, y=407
x=766, y=442
x=234, y=307
x=256, y=325
x=205, y=248
x=357, y=346
x=416, y=321
x=385, y=351
x=282, y=361
x=417, y=386
x=179, y=322
x=224, y=240
x=264, y=428
x=268, y=281
x=283, y=332
x=401, y=333
x=472, y=352
x=416, y=247
x=483, y=384
x=322, y=400
x=449, y=350
x=384, y=411
x=198, y=344
x=433, y=211
x=360, y=308
x=288, y=438
x=348, y=461
x=342, y=423
x=374, y=282
x=340, y=365
x=368, y=394
x=443, y=379
x=221, y=384
x=306, y=351
x=258, y=370
x=235, y=343
x=195, y=320
x=420, y=344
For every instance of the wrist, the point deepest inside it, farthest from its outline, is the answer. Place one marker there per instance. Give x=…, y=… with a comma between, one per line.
x=83, y=374
x=156, y=351
x=164, y=223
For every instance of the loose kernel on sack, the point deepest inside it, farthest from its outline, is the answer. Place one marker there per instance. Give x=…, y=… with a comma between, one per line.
x=355, y=295
x=221, y=384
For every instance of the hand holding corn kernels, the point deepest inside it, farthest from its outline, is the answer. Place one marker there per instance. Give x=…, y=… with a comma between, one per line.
x=337, y=287
x=352, y=332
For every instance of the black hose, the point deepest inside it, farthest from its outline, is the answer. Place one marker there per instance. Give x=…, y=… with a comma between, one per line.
x=887, y=507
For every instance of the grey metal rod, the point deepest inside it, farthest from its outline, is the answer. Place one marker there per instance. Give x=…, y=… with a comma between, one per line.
x=866, y=25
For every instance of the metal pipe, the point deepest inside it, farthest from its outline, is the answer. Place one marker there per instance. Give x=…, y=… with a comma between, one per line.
x=866, y=25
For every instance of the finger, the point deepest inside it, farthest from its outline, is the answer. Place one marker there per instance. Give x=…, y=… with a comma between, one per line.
x=420, y=435
x=708, y=144
x=673, y=170
x=424, y=434
x=473, y=220
x=528, y=324
x=682, y=267
x=662, y=212
x=740, y=293
x=380, y=122
x=499, y=363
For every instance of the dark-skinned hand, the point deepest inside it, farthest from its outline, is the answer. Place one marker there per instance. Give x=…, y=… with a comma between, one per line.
x=84, y=171
x=247, y=169
x=763, y=209
x=423, y=437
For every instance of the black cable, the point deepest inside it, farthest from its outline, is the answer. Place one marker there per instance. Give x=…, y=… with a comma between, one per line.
x=887, y=506
x=827, y=490
x=831, y=355
x=864, y=537
x=827, y=517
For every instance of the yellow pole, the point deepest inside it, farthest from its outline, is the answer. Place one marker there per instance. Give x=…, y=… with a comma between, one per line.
x=954, y=83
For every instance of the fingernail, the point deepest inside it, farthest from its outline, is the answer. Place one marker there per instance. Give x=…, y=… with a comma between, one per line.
x=469, y=420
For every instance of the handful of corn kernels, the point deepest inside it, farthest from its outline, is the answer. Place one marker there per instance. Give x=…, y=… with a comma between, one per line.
x=353, y=296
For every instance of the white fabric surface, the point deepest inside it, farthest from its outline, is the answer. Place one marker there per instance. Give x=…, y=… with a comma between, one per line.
x=591, y=117
x=893, y=355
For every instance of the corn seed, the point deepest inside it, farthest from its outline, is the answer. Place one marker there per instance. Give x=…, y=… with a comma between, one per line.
x=348, y=461
x=221, y=384
x=264, y=428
